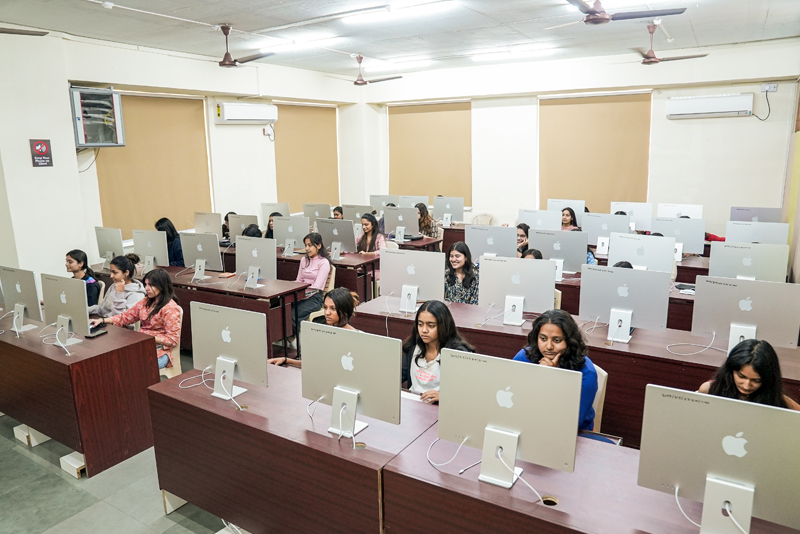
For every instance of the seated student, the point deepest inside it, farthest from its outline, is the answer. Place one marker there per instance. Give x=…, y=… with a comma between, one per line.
x=370, y=240
x=620, y=213
x=568, y=220
x=126, y=290
x=533, y=254
x=78, y=264
x=556, y=341
x=338, y=213
x=226, y=231
x=158, y=313
x=271, y=225
x=623, y=264
x=522, y=238
x=381, y=226
x=174, y=249
x=339, y=306
x=751, y=373
x=427, y=225
x=712, y=237
x=590, y=259
x=461, y=275
x=252, y=230
x=434, y=329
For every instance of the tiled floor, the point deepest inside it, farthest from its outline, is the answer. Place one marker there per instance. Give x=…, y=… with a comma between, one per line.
x=36, y=496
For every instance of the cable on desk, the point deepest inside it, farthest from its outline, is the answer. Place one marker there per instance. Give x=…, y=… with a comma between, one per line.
x=313, y=403
x=58, y=342
x=230, y=397
x=681, y=509
x=704, y=347
x=437, y=466
x=500, y=455
x=343, y=432
x=230, y=526
x=203, y=380
x=237, y=279
x=45, y=328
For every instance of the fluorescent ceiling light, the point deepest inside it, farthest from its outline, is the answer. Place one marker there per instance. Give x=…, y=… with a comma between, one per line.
x=393, y=13
x=297, y=45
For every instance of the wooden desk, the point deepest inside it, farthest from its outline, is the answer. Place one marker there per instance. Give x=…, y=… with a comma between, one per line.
x=452, y=235
x=272, y=300
x=93, y=401
x=270, y=468
x=600, y=497
x=430, y=244
x=688, y=269
x=645, y=360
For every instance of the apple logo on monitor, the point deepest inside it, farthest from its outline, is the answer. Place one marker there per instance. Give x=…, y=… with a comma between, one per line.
x=557, y=245
x=516, y=279
x=383, y=203
x=490, y=240
x=746, y=304
x=447, y=206
x=622, y=290
x=679, y=214
x=226, y=335
x=538, y=222
x=200, y=247
x=149, y=244
x=335, y=231
x=677, y=231
x=63, y=298
x=640, y=251
x=358, y=215
x=208, y=223
x=747, y=262
x=755, y=218
x=316, y=214
x=19, y=288
x=630, y=212
x=400, y=218
x=734, y=445
x=410, y=269
x=255, y=252
x=604, y=226
x=242, y=226
x=347, y=362
x=504, y=398
x=290, y=229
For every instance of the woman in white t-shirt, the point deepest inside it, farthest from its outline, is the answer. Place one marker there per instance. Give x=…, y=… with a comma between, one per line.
x=434, y=330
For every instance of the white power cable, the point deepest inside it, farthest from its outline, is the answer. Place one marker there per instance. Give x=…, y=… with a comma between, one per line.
x=45, y=328
x=314, y=404
x=203, y=380
x=230, y=526
x=681, y=509
x=237, y=279
x=500, y=455
x=230, y=397
x=58, y=341
x=437, y=466
x=342, y=432
x=730, y=514
x=703, y=349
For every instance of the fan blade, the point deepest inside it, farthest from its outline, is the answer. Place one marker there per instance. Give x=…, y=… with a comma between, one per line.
x=681, y=57
x=653, y=14
x=254, y=57
x=32, y=33
x=384, y=79
x=583, y=7
x=562, y=25
x=639, y=51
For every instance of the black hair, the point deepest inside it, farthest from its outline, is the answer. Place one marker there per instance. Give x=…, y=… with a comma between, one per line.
x=586, y=210
x=252, y=230
x=574, y=356
x=391, y=205
x=165, y=225
x=338, y=209
x=126, y=263
x=269, y=233
x=525, y=228
x=373, y=235
x=469, y=269
x=80, y=256
x=657, y=234
x=532, y=252
x=761, y=356
x=426, y=222
x=620, y=213
x=449, y=338
x=316, y=240
x=624, y=264
x=229, y=213
x=344, y=304
x=573, y=220
x=159, y=279
x=684, y=217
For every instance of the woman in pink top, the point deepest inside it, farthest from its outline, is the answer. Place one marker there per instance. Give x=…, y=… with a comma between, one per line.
x=568, y=220
x=370, y=241
x=160, y=316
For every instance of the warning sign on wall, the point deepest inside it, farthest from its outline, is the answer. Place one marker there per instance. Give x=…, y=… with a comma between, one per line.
x=41, y=153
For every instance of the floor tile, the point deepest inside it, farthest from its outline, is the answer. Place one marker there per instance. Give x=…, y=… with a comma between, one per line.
x=120, y=476
x=196, y=519
x=142, y=500
x=17, y=470
x=101, y=518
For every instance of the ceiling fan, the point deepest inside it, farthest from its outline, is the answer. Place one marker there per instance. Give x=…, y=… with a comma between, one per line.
x=360, y=79
x=12, y=31
x=228, y=61
x=650, y=56
x=596, y=15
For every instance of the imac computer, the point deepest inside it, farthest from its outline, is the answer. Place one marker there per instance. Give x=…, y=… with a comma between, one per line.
x=774, y=215
x=653, y=253
x=268, y=208
x=728, y=454
x=749, y=261
x=201, y=252
x=379, y=202
x=109, y=244
x=151, y=245
x=257, y=257
x=541, y=219
x=517, y=284
x=233, y=343
x=625, y=299
x=20, y=297
x=207, y=223
x=690, y=232
x=238, y=223
x=693, y=211
x=599, y=225
x=407, y=218
x=757, y=232
x=442, y=206
x=354, y=212
x=352, y=372
x=66, y=306
x=411, y=201
x=491, y=240
x=559, y=205
x=569, y=248
x=316, y=211
x=514, y=409
x=640, y=213
x=337, y=231
x=412, y=275
x=284, y=228
x=746, y=309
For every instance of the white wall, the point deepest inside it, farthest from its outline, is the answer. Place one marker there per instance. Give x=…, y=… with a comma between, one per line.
x=363, y=152
x=722, y=162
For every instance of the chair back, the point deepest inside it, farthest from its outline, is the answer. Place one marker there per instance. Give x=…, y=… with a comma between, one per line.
x=600, y=396
x=557, y=300
x=392, y=244
x=484, y=219
x=102, y=291
x=331, y=279
x=175, y=355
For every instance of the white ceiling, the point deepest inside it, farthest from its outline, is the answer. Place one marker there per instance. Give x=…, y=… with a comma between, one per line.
x=449, y=38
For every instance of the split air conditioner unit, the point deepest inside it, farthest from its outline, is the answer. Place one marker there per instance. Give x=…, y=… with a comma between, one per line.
x=711, y=106
x=242, y=113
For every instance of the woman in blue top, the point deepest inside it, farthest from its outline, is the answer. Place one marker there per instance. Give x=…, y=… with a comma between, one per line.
x=173, y=241
x=556, y=341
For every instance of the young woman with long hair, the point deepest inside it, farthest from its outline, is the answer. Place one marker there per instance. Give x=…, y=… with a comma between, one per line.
x=568, y=220
x=124, y=292
x=427, y=224
x=461, y=275
x=370, y=240
x=78, y=264
x=269, y=234
x=174, y=249
x=522, y=238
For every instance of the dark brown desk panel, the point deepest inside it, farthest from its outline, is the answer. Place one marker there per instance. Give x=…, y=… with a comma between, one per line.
x=430, y=244
x=600, y=497
x=452, y=235
x=356, y=272
x=93, y=401
x=270, y=468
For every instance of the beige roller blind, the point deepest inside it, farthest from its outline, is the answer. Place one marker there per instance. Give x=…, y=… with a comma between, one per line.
x=430, y=150
x=163, y=169
x=306, y=156
x=595, y=148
